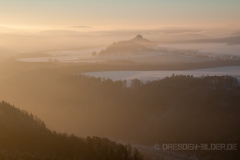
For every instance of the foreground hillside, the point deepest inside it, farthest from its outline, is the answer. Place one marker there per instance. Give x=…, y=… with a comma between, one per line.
x=176, y=109
x=23, y=136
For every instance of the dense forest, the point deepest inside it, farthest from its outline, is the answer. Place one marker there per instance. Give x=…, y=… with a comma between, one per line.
x=24, y=136
x=178, y=104
x=176, y=109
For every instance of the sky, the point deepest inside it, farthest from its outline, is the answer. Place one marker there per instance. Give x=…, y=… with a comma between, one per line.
x=106, y=14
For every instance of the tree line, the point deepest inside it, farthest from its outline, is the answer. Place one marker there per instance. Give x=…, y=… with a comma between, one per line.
x=24, y=136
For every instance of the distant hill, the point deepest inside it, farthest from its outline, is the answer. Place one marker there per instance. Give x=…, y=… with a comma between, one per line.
x=137, y=45
x=235, y=33
x=24, y=136
x=228, y=40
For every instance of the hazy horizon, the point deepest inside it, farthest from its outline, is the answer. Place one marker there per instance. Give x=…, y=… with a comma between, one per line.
x=28, y=26
x=135, y=14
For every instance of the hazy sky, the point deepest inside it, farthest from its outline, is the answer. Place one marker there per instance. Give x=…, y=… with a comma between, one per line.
x=119, y=13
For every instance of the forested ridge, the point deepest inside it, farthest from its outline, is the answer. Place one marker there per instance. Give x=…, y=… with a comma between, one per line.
x=176, y=109
x=24, y=136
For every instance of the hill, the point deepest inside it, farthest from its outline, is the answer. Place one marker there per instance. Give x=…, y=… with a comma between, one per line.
x=233, y=40
x=24, y=136
x=137, y=45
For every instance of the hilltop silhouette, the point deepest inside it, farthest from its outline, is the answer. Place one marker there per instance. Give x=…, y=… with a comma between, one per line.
x=137, y=45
